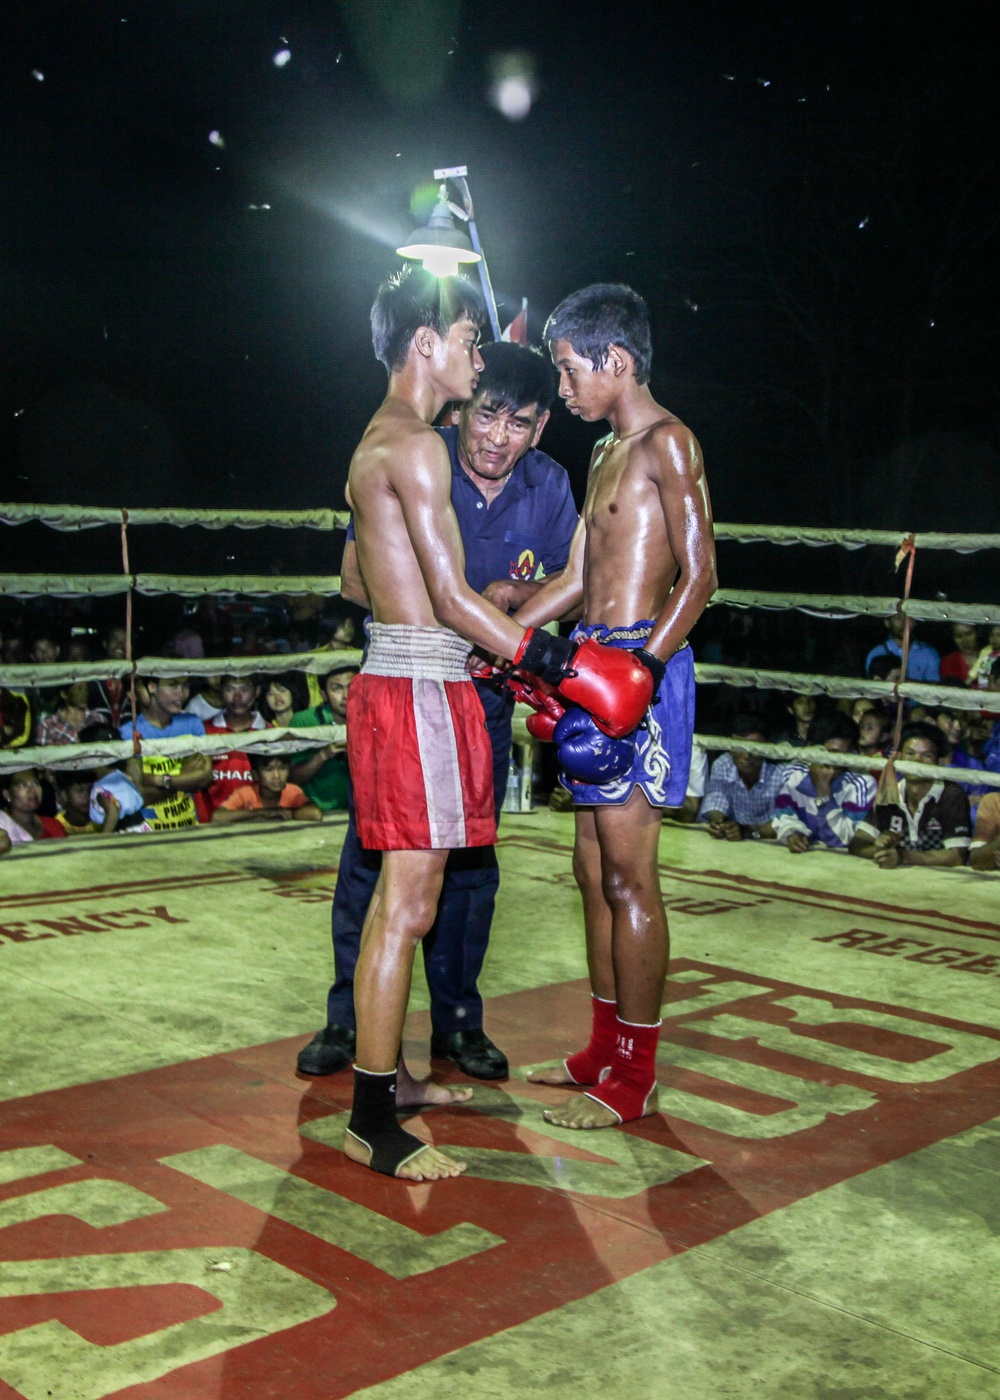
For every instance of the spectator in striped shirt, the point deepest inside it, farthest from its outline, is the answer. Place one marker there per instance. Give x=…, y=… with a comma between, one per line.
x=742, y=789
x=818, y=803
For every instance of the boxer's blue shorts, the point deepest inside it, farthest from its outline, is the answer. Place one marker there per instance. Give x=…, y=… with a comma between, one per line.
x=663, y=740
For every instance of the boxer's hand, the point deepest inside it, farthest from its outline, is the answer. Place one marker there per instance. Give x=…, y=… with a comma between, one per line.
x=586, y=753
x=501, y=594
x=542, y=699
x=611, y=685
x=653, y=665
x=545, y=655
x=482, y=670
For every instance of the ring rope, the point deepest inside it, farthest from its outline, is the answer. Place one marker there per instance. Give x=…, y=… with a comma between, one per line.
x=65, y=517
x=830, y=605
x=75, y=756
x=318, y=663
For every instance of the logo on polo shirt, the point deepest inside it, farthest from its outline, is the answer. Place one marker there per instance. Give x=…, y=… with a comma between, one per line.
x=525, y=567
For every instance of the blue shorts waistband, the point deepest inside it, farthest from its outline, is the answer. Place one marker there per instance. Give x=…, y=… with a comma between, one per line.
x=632, y=635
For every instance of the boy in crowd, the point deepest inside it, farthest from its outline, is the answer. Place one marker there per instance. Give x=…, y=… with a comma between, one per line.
x=109, y=699
x=819, y=804
x=929, y=825
x=801, y=711
x=923, y=662
x=742, y=789
x=322, y=773
x=168, y=783
x=269, y=797
x=231, y=770
x=208, y=702
x=71, y=715
x=73, y=800
x=874, y=730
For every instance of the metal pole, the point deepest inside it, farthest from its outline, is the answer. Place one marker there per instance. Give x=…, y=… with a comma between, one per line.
x=459, y=175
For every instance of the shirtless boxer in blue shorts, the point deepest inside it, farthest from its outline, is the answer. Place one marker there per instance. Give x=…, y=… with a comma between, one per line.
x=643, y=561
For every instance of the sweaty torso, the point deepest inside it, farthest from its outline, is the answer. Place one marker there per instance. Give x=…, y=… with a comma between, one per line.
x=388, y=564
x=629, y=567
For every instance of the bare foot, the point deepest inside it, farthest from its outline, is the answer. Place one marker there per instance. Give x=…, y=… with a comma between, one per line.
x=425, y=1093
x=428, y=1165
x=552, y=1074
x=583, y=1112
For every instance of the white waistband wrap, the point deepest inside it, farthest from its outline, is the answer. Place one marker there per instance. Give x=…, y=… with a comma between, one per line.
x=419, y=653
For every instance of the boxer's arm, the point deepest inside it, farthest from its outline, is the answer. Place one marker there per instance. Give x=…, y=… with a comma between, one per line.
x=509, y=593
x=679, y=473
x=423, y=489
x=561, y=593
x=352, y=585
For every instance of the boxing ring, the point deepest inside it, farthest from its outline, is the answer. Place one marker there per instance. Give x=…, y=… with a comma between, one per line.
x=807, y=1216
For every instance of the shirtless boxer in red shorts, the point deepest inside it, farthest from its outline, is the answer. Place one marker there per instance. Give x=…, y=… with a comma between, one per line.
x=643, y=561
x=419, y=752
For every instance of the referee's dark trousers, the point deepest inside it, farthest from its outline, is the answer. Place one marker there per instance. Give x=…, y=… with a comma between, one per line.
x=455, y=947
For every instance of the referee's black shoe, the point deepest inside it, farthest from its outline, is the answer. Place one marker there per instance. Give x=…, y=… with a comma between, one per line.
x=330, y=1049
x=473, y=1052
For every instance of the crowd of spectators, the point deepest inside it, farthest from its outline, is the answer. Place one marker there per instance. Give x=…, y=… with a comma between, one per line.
x=159, y=793
x=738, y=796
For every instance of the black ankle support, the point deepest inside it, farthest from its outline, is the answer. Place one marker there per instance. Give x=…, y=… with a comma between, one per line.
x=373, y=1122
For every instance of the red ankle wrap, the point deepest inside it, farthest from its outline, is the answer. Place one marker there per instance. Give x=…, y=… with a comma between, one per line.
x=588, y=1065
x=626, y=1091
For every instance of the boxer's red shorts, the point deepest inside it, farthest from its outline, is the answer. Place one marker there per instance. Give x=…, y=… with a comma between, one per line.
x=421, y=764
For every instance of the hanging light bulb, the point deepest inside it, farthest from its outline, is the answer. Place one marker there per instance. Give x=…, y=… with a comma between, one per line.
x=439, y=245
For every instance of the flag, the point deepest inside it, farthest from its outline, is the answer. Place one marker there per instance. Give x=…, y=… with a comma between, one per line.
x=517, y=331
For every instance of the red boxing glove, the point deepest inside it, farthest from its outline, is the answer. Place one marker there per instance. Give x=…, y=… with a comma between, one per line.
x=542, y=727
x=542, y=699
x=612, y=685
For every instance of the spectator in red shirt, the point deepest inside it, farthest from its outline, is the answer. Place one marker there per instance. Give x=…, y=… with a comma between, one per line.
x=22, y=796
x=231, y=770
x=955, y=666
x=269, y=797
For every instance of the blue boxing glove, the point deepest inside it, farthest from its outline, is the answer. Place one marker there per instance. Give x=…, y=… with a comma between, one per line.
x=588, y=755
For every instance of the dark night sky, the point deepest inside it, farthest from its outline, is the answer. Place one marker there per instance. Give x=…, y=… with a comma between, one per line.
x=807, y=196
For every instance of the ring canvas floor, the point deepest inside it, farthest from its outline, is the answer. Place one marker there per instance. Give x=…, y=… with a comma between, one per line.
x=813, y=1213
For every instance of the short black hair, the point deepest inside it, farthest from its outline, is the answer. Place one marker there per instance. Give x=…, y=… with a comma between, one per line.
x=412, y=298
x=336, y=671
x=514, y=377
x=602, y=315
x=835, y=725
x=294, y=682
x=259, y=759
x=882, y=665
x=98, y=733
x=930, y=732
x=746, y=724
x=63, y=778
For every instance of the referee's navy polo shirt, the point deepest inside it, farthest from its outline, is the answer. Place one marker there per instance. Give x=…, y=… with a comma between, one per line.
x=529, y=525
